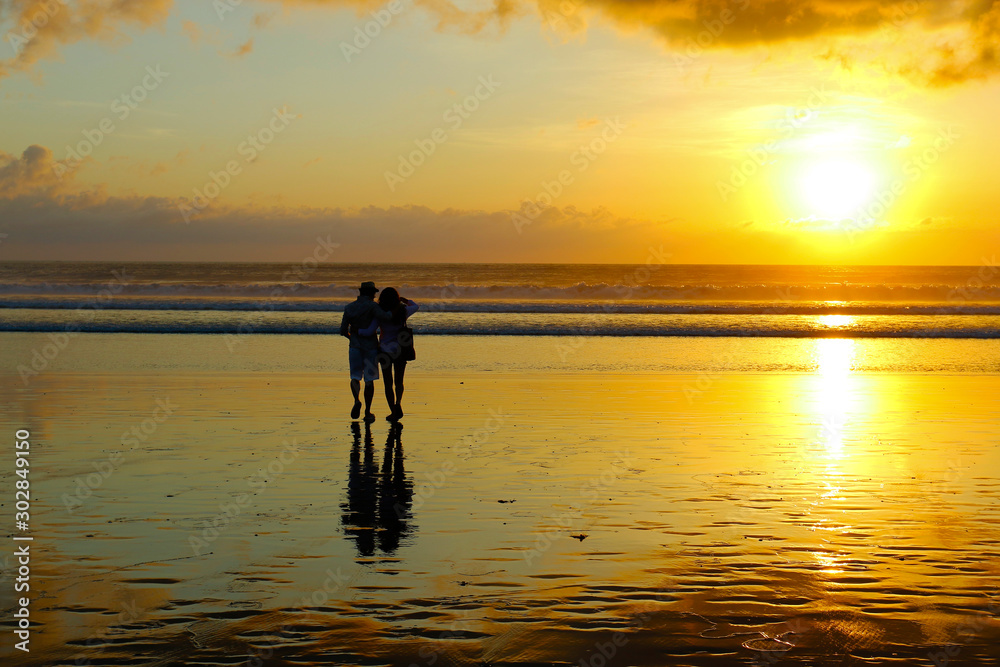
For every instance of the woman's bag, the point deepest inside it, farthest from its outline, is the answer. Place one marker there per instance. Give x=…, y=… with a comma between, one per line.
x=405, y=340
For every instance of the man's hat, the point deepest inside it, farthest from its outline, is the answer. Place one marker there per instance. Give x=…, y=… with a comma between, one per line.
x=368, y=287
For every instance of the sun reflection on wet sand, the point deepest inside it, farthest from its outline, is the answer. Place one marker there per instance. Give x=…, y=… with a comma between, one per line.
x=835, y=402
x=834, y=391
x=805, y=515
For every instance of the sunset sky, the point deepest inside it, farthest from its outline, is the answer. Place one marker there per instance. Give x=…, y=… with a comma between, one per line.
x=760, y=131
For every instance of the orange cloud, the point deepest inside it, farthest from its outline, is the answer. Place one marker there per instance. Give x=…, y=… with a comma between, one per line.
x=192, y=30
x=166, y=165
x=261, y=20
x=964, y=35
x=35, y=29
x=244, y=49
x=935, y=42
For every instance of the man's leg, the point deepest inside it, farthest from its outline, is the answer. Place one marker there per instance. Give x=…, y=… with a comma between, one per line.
x=370, y=376
x=356, y=390
x=357, y=371
x=369, y=395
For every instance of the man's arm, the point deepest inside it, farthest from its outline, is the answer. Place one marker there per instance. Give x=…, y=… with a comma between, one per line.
x=345, y=326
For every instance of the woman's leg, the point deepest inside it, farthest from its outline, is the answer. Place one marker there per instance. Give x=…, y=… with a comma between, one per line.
x=388, y=380
x=400, y=371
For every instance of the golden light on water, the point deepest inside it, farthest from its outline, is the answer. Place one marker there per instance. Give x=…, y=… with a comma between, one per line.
x=835, y=358
x=836, y=406
x=830, y=562
x=836, y=320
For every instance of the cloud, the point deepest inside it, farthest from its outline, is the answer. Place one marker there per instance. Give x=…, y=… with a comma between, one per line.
x=46, y=217
x=167, y=165
x=35, y=29
x=199, y=34
x=89, y=224
x=892, y=35
x=192, y=30
x=934, y=42
x=94, y=226
x=244, y=49
x=35, y=173
x=973, y=58
x=261, y=20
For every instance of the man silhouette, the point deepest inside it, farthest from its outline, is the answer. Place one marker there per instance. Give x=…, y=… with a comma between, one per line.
x=363, y=350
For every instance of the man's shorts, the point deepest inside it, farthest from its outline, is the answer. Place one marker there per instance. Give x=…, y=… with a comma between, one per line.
x=364, y=363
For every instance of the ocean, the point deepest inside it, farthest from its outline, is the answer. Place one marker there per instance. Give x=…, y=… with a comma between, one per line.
x=698, y=465
x=656, y=300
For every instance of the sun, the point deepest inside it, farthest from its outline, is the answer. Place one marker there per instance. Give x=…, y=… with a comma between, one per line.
x=836, y=188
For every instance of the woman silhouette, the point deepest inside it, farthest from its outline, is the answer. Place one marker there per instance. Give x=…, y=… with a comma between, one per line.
x=392, y=356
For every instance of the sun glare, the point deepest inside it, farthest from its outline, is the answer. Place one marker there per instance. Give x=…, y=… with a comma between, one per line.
x=836, y=188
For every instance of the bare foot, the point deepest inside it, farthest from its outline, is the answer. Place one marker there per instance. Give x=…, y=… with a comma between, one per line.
x=356, y=410
x=369, y=418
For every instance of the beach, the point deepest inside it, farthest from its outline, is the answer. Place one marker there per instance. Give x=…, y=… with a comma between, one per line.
x=704, y=297
x=194, y=505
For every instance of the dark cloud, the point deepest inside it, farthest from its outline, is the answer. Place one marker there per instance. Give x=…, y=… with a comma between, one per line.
x=932, y=42
x=91, y=225
x=47, y=217
x=88, y=224
x=35, y=173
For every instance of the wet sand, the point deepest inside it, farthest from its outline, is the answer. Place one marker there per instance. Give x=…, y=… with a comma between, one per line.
x=518, y=518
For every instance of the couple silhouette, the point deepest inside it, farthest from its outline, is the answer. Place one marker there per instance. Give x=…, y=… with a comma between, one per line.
x=389, y=350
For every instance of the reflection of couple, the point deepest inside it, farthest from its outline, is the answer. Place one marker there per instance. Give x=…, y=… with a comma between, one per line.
x=377, y=509
x=391, y=349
